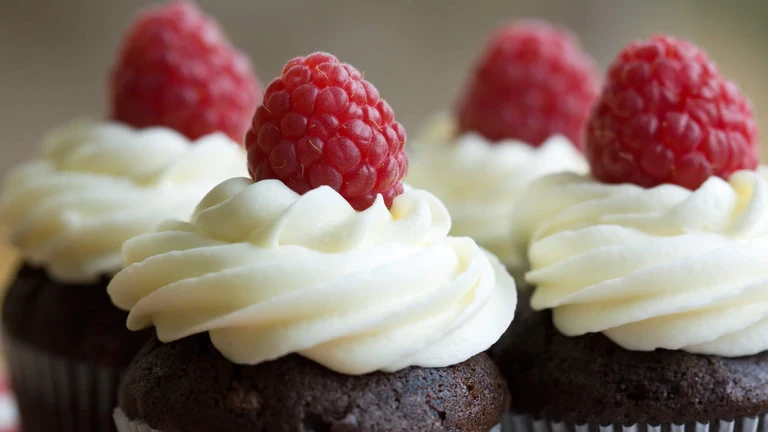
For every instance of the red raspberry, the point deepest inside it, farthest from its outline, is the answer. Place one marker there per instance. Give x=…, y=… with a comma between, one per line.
x=666, y=115
x=533, y=81
x=177, y=69
x=322, y=124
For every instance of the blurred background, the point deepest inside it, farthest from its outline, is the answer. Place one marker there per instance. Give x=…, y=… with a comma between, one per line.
x=56, y=53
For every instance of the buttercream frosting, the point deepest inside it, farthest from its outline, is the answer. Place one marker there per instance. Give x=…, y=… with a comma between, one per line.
x=267, y=272
x=664, y=267
x=94, y=185
x=480, y=181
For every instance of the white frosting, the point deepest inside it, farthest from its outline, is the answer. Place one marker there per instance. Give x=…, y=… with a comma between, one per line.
x=653, y=268
x=480, y=181
x=268, y=272
x=95, y=185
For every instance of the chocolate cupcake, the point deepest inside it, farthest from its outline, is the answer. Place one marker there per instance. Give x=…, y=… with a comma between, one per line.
x=93, y=185
x=511, y=126
x=289, y=304
x=592, y=380
x=297, y=394
x=650, y=275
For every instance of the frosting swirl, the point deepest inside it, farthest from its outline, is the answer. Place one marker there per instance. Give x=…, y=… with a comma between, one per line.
x=480, y=182
x=654, y=268
x=95, y=185
x=268, y=272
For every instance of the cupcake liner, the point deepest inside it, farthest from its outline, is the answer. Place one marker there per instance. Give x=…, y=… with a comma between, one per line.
x=124, y=424
x=56, y=394
x=526, y=423
x=9, y=415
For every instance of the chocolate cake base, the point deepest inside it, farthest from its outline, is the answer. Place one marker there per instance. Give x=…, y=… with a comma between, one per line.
x=188, y=386
x=590, y=379
x=75, y=321
x=521, y=313
x=66, y=347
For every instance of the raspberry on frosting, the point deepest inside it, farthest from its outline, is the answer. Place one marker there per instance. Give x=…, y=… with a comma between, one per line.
x=177, y=69
x=322, y=124
x=667, y=115
x=532, y=81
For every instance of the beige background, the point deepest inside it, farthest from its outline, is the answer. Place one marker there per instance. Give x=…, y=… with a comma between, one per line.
x=55, y=53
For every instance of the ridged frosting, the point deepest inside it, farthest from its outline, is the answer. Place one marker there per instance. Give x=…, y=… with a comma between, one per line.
x=653, y=268
x=480, y=182
x=267, y=272
x=94, y=185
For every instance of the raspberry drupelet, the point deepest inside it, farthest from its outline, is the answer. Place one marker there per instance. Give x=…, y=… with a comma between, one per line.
x=322, y=124
x=532, y=81
x=667, y=115
x=177, y=69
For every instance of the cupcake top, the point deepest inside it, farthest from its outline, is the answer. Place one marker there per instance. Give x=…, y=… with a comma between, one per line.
x=480, y=181
x=520, y=116
x=302, y=261
x=190, y=95
x=665, y=245
x=664, y=267
x=94, y=185
x=268, y=272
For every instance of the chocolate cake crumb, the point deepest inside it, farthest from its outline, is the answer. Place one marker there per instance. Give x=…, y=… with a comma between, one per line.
x=74, y=321
x=188, y=386
x=591, y=379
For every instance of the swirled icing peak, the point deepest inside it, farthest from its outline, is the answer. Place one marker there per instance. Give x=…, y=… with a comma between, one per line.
x=664, y=267
x=95, y=185
x=267, y=272
x=481, y=182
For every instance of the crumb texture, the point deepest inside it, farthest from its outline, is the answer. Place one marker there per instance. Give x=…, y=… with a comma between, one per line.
x=75, y=321
x=591, y=379
x=188, y=386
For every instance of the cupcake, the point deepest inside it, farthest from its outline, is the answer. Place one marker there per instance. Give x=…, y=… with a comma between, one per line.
x=95, y=184
x=322, y=294
x=649, y=274
x=519, y=118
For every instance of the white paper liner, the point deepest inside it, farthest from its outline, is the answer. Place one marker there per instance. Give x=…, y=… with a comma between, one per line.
x=9, y=414
x=124, y=424
x=73, y=395
x=526, y=423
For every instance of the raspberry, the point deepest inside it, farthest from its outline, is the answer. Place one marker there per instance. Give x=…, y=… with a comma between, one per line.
x=322, y=124
x=177, y=69
x=533, y=81
x=666, y=115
